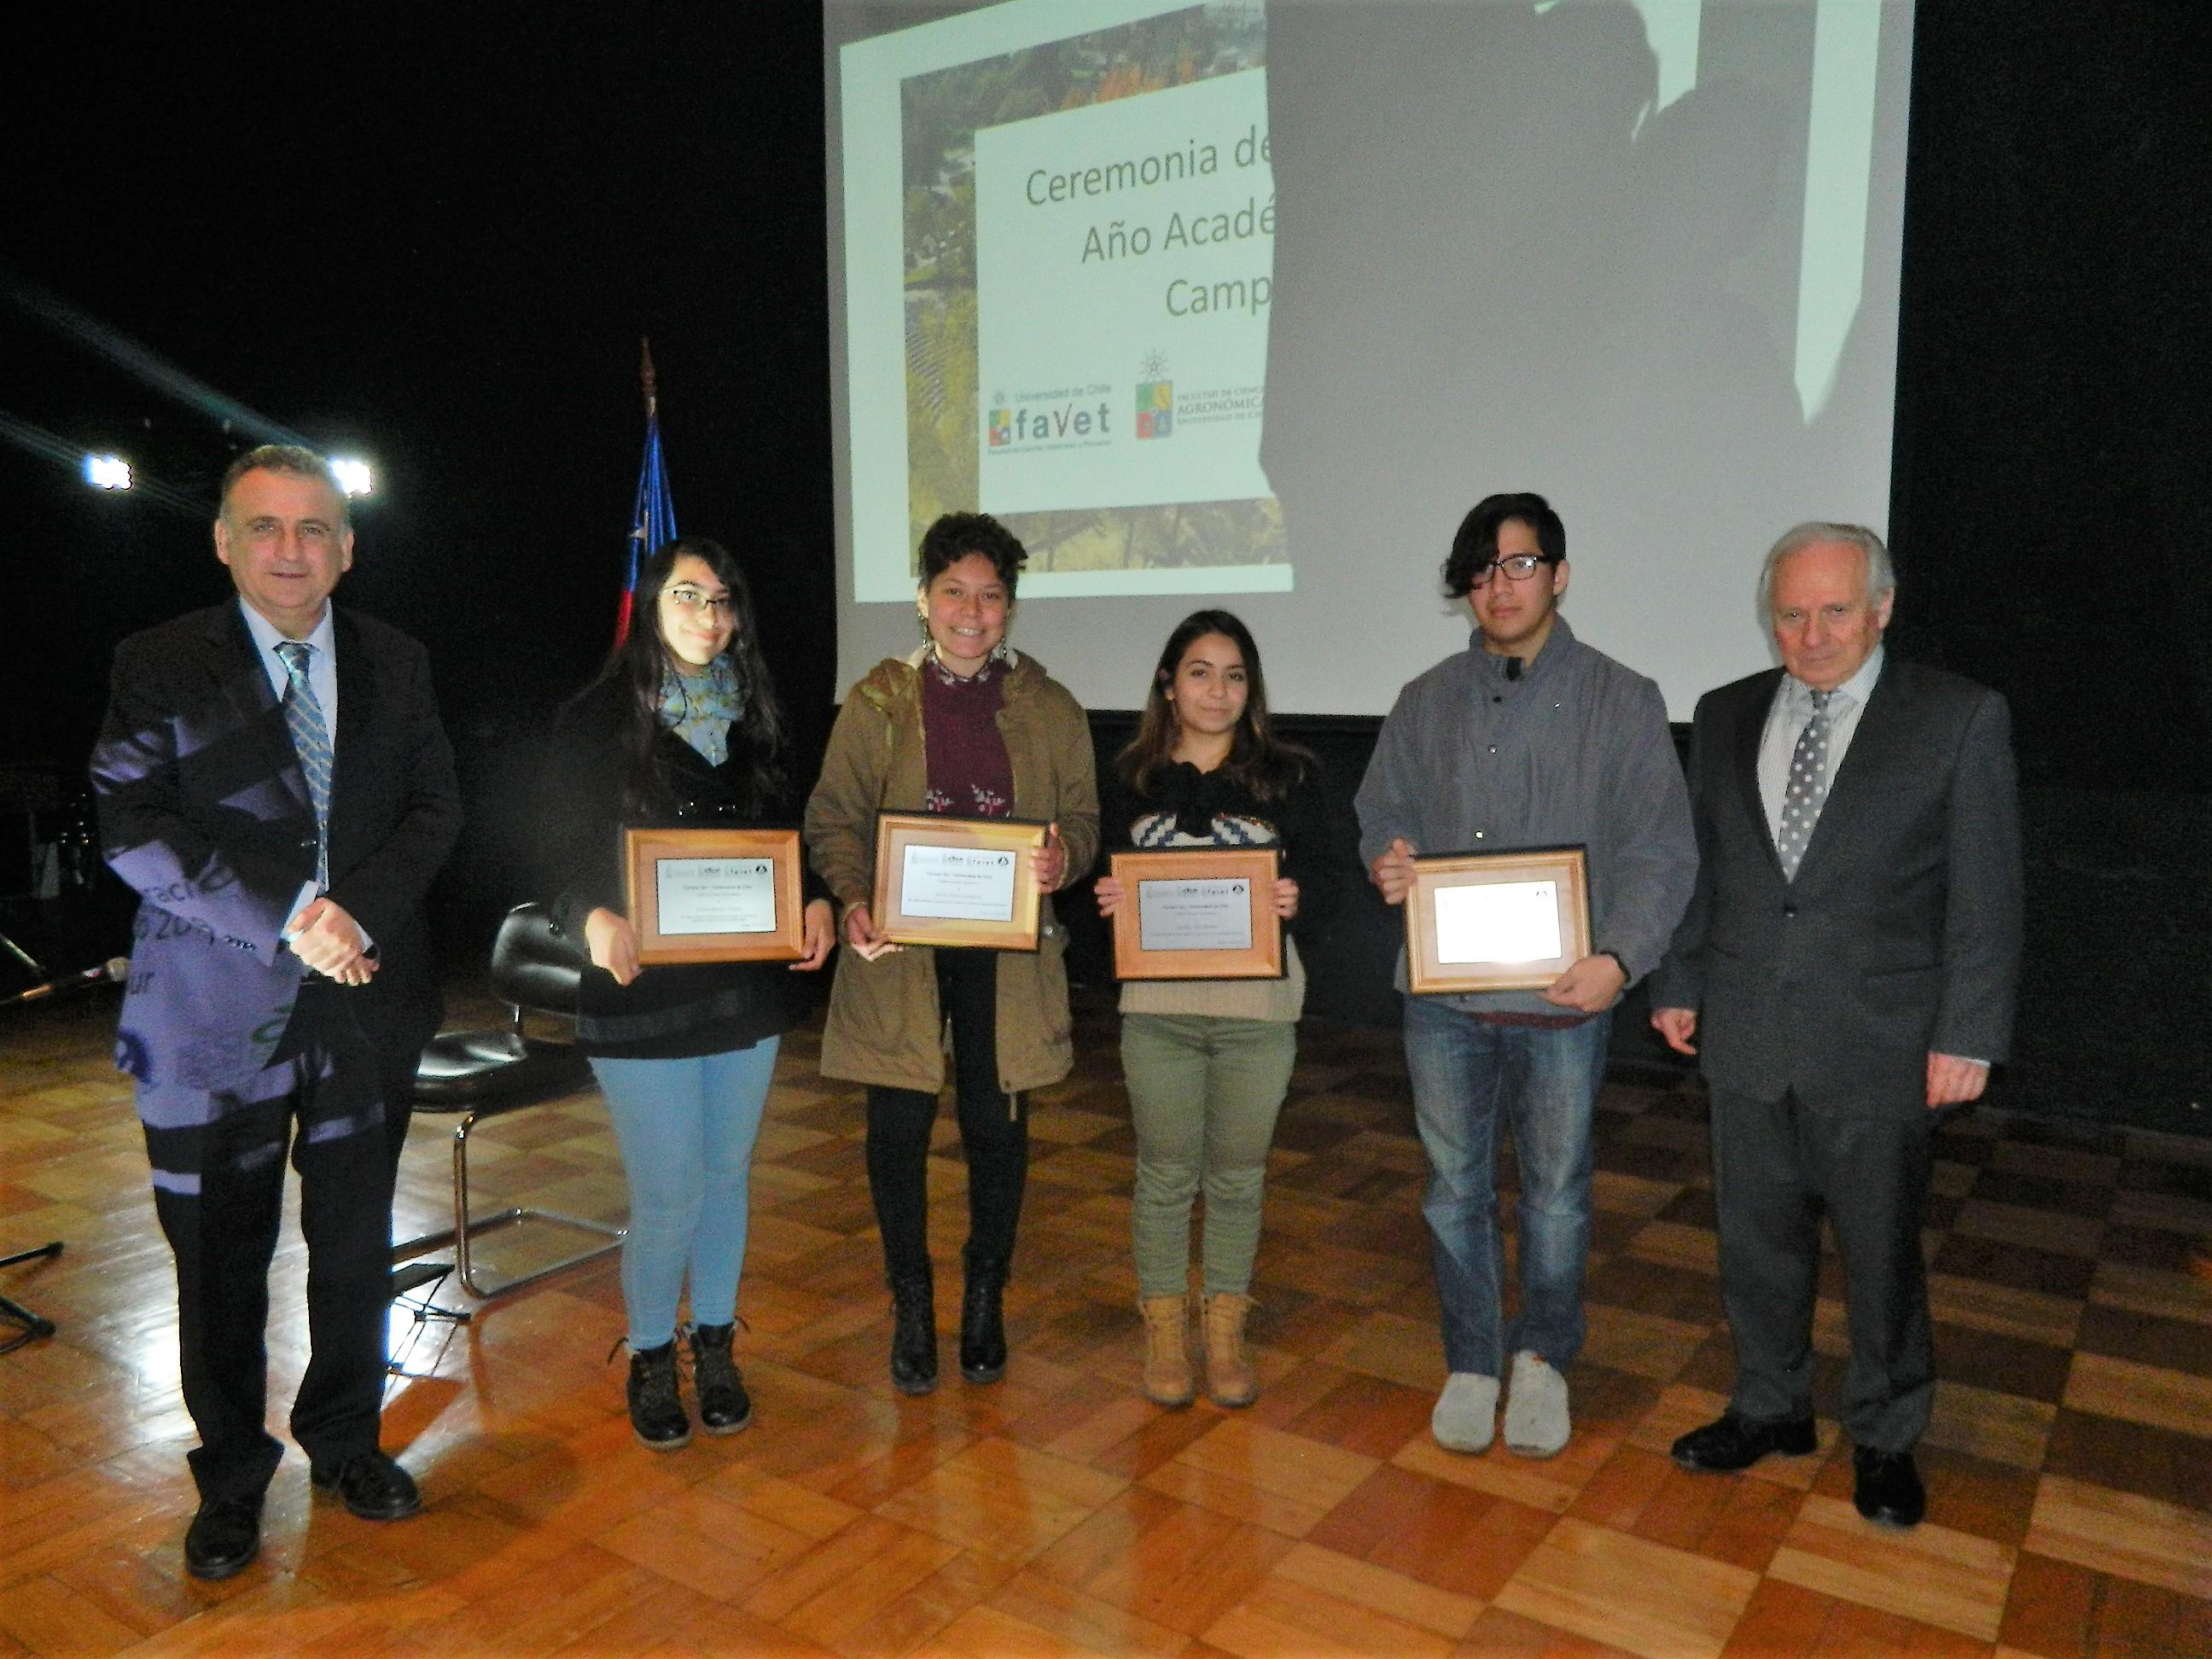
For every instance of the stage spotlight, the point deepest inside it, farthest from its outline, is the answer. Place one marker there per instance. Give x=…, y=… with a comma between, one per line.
x=107, y=472
x=353, y=476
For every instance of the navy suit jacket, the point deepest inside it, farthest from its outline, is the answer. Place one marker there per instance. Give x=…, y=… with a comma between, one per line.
x=205, y=810
x=1901, y=932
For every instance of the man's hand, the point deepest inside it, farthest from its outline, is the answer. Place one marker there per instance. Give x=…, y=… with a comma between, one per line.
x=1678, y=1026
x=1393, y=872
x=1590, y=986
x=1286, y=897
x=861, y=937
x=326, y=937
x=1107, y=889
x=613, y=944
x=821, y=932
x=1952, y=1081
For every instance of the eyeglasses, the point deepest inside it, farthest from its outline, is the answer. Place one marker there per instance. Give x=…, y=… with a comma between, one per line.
x=1517, y=567
x=690, y=599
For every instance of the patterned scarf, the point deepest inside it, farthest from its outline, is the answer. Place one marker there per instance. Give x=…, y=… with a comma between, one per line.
x=699, y=708
x=994, y=666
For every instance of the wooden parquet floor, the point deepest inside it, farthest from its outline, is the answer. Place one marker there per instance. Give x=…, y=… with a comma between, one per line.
x=2070, y=1466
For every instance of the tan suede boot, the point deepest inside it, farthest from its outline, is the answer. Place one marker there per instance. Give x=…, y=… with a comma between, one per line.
x=1230, y=1379
x=1168, y=1379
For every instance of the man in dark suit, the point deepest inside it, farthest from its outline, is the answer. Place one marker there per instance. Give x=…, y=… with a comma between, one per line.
x=274, y=782
x=1849, y=961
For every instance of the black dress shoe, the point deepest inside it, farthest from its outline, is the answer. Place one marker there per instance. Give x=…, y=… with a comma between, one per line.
x=374, y=1486
x=1729, y=1443
x=1887, y=1491
x=223, y=1537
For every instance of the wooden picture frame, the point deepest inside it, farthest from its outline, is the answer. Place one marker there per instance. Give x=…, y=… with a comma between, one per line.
x=931, y=867
x=1255, y=869
x=673, y=893
x=1534, y=894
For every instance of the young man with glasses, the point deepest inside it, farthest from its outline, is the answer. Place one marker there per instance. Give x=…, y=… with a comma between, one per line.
x=1528, y=738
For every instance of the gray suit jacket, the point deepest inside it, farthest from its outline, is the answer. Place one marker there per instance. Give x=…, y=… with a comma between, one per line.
x=1901, y=932
x=203, y=810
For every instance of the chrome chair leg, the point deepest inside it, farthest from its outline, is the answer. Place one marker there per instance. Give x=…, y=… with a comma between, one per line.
x=468, y=1227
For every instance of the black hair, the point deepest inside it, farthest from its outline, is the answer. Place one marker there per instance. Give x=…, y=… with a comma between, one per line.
x=956, y=535
x=639, y=663
x=1476, y=544
x=1264, y=766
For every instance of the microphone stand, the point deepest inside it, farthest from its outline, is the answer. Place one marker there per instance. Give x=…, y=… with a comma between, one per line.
x=31, y=1327
x=15, y=1313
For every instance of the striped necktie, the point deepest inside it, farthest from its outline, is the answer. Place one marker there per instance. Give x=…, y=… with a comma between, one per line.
x=303, y=718
x=1808, y=788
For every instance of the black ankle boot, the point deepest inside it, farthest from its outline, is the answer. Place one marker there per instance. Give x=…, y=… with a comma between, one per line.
x=723, y=1406
x=914, y=1334
x=656, y=1411
x=982, y=1328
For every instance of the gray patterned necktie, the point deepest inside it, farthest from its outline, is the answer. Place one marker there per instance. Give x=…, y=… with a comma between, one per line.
x=303, y=718
x=1808, y=787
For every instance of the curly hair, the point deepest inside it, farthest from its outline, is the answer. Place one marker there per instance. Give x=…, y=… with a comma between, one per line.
x=956, y=535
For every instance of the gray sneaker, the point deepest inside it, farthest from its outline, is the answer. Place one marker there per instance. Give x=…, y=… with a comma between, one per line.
x=1536, y=1423
x=1466, y=1416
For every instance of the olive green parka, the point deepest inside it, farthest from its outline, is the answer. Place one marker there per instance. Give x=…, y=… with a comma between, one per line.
x=884, y=1023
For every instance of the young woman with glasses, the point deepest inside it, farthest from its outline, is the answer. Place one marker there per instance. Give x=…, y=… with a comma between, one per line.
x=680, y=728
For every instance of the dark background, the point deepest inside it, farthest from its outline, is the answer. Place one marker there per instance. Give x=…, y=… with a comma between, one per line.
x=435, y=234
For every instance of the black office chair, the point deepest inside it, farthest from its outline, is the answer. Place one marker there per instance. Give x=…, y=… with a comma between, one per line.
x=535, y=968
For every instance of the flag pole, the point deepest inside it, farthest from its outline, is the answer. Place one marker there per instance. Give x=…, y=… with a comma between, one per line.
x=653, y=520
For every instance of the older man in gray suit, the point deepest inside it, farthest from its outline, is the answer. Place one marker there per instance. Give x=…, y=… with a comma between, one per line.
x=1848, y=963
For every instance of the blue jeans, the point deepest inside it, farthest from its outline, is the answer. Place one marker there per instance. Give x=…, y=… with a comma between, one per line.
x=686, y=1128
x=1543, y=1083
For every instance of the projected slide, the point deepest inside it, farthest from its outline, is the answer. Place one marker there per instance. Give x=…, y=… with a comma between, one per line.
x=1248, y=304
x=1085, y=248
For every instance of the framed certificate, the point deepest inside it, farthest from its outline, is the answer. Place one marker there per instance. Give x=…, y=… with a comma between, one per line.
x=1496, y=921
x=713, y=895
x=957, y=881
x=1198, y=912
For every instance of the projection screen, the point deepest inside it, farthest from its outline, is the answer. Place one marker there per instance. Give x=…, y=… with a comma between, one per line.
x=1247, y=304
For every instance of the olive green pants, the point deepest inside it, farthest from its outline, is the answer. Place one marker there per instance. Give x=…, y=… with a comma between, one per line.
x=1205, y=1094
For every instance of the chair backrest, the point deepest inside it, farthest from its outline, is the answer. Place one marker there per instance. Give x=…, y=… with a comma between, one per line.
x=534, y=964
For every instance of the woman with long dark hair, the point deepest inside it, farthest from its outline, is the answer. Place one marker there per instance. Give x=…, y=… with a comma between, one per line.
x=966, y=726
x=680, y=728
x=1207, y=1061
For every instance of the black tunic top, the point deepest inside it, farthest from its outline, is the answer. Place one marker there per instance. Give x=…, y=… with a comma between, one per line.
x=1213, y=807
x=670, y=1012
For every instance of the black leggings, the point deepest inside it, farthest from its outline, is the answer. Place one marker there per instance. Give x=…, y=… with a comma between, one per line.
x=995, y=1131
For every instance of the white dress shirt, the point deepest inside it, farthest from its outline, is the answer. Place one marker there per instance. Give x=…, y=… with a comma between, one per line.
x=322, y=680
x=1786, y=721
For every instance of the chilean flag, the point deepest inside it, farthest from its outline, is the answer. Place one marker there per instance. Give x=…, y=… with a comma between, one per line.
x=652, y=521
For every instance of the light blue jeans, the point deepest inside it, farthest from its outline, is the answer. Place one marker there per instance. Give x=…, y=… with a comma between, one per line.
x=1542, y=1083
x=687, y=1129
